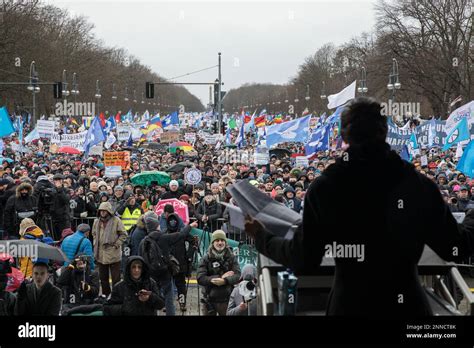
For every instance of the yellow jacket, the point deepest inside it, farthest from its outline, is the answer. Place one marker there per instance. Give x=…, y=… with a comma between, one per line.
x=26, y=265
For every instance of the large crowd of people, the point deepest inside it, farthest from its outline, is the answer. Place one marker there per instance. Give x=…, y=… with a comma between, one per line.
x=108, y=228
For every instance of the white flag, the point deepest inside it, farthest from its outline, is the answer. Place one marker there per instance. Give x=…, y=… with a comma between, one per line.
x=33, y=135
x=110, y=140
x=343, y=96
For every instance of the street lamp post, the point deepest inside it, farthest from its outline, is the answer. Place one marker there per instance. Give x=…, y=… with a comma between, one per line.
x=307, y=98
x=75, y=89
x=296, y=102
x=363, y=82
x=97, y=95
x=394, y=82
x=323, y=91
x=114, y=97
x=33, y=87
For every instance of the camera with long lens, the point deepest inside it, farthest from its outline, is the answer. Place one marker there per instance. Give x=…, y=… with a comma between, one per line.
x=247, y=289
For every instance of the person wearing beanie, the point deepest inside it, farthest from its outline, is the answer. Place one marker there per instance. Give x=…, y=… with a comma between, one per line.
x=79, y=243
x=174, y=191
x=218, y=272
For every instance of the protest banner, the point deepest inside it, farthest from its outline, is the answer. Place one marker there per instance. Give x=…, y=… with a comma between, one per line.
x=117, y=158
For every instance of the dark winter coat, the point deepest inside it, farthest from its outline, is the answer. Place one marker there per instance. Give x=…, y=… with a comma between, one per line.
x=210, y=267
x=171, y=194
x=70, y=282
x=7, y=303
x=390, y=209
x=17, y=204
x=4, y=196
x=166, y=242
x=47, y=303
x=213, y=211
x=124, y=299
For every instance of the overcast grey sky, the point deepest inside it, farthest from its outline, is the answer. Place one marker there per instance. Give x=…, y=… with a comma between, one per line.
x=261, y=41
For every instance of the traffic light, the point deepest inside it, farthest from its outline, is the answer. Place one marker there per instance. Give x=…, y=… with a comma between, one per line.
x=150, y=90
x=58, y=90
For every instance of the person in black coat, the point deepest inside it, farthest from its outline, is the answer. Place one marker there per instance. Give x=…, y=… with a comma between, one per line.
x=136, y=294
x=23, y=204
x=79, y=283
x=389, y=208
x=174, y=191
x=39, y=297
x=209, y=211
x=166, y=242
x=7, y=189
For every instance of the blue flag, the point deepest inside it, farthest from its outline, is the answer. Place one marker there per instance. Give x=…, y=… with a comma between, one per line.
x=405, y=155
x=227, y=136
x=171, y=119
x=94, y=135
x=130, y=140
x=459, y=133
x=466, y=163
x=240, y=141
x=413, y=142
x=110, y=124
x=319, y=141
x=292, y=131
x=6, y=126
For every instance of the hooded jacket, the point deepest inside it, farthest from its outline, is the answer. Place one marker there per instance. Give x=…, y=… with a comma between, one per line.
x=124, y=299
x=108, y=237
x=48, y=303
x=17, y=204
x=249, y=273
x=392, y=222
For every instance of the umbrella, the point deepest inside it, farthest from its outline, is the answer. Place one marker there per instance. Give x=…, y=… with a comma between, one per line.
x=155, y=146
x=280, y=153
x=9, y=160
x=179, y=167
x=34, y=249
x=146, y=178
x=183, y=146
x=69, y=150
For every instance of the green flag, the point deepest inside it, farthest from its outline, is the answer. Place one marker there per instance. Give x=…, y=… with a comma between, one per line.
x=232, y=124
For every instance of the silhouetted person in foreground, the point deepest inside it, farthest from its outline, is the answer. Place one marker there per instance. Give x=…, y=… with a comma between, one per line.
x=388, y=208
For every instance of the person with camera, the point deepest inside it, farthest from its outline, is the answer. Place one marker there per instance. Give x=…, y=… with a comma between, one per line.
x=137, y=294
x=165, y=243
x=20, y=206
x=39, y=297
x=7, y=189
x=92, y=199
x=209, y=210
x=79, y=283
x=61, y=207
x=108, y=234
x=242, y=300
x=78, y=243
x=7, y=299
x=218, y=272
x=78, y=203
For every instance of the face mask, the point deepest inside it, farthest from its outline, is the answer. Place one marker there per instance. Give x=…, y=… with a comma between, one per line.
x=201, y=193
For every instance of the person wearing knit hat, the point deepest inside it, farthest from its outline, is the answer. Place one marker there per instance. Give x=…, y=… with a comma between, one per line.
x=218, y=272
x=218, y=235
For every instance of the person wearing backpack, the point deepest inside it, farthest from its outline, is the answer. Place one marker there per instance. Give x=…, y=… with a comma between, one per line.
x=79, y=243
x=155, y=249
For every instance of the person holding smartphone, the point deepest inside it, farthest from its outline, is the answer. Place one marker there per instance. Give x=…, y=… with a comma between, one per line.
x=136, y=294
